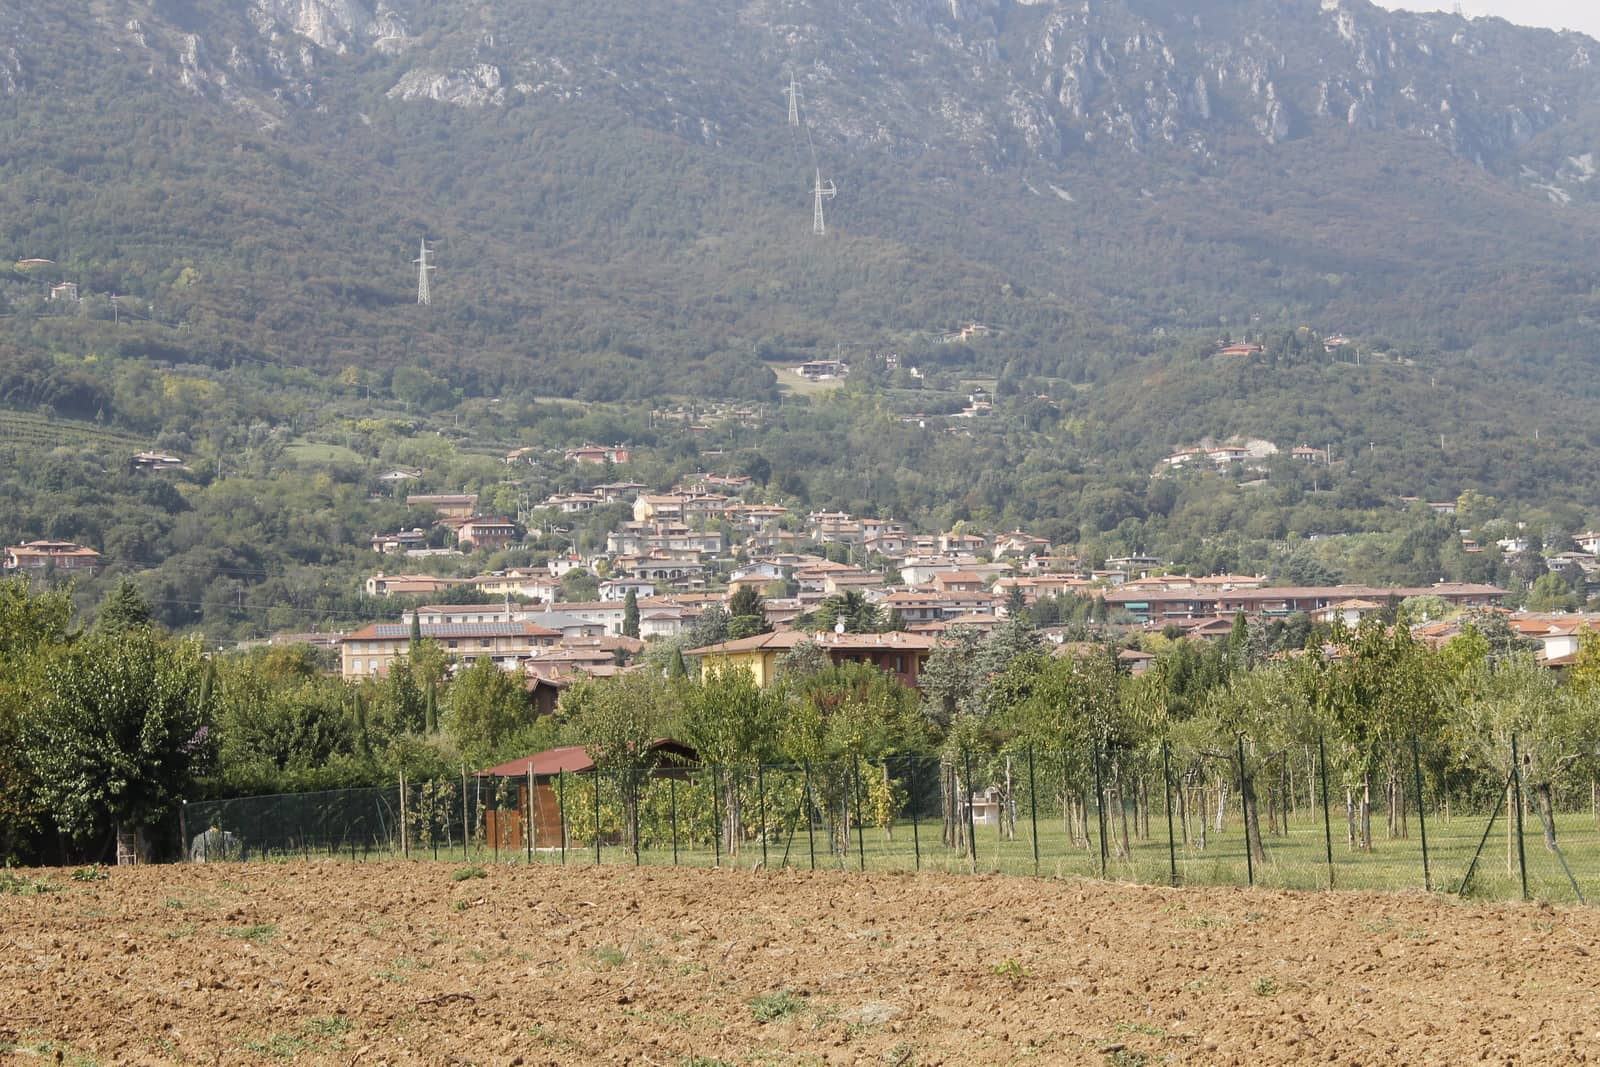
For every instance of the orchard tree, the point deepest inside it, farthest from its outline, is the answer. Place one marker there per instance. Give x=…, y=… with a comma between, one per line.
x=1556, y=727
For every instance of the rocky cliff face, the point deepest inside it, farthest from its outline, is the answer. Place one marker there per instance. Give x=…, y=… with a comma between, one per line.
x=1009, y=82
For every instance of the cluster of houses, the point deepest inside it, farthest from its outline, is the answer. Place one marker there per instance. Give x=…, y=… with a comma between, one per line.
x=701, y=543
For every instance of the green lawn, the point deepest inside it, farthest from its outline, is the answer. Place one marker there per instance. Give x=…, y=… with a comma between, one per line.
x=1297, y=859
x=304, y=453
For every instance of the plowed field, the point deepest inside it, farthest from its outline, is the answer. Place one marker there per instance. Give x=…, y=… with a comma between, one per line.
x=403, y=963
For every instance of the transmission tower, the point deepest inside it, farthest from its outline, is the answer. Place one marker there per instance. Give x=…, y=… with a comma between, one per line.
x=793, y=93
x=424, y=297
x=823, y=190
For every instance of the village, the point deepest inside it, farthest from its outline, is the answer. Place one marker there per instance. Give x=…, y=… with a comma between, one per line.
x=708, y=567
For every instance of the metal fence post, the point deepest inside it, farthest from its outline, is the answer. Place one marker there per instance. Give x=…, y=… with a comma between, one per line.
x=972, y=831
x=1500, y=798
x=672, y=795
x=761, y=803
x=466, y=833
x=1100, y=809
x=911, y=796
x=633, y=793
x=861, y=834
x=716, y=822
x=1516, y=781
x=1327, y=818
x=561, y=811
x=1033, y=809
x=811, y=823
x=594, y=777
x=533, y=825
x=405, y=849
x=183, y=831
x=1172, y=840
x=1244, y=812
x=1422, y=816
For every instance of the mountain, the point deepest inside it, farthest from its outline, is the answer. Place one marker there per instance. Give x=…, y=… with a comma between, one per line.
x=618, y=206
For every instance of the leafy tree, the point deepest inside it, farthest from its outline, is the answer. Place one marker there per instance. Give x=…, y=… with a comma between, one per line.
x=33, y=629
x=1550, y=592
x=118, y=732
x=485, y=706
x=711, y=628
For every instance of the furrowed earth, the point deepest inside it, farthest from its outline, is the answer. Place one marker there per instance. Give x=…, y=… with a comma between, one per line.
x=428, y=963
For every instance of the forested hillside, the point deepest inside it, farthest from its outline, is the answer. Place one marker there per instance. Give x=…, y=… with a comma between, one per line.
x=619, y=207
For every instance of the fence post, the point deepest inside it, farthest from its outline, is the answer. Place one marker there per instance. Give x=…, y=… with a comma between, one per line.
x=672, y=797
x=1100, y=809
x=861, y=834
x=810, y=816
x=716, y=821
x=1244, y=813
x=594, y=776
x=972, y=830
x=466, y=823
x=183, y=831
x=1494, y=817
x=1172, y=840
x=633, y=793
x=911, y=798
x=533, y=825
x=1516, y=781
x=561, y=811
x=405, y=845
x=1033, y=810
x=1327, y=819
x=1422, y=816
x=761, y=802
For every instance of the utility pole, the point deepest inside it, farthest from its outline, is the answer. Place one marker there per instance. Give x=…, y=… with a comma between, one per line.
x=793, y=93
x=820, y=192
x=424, y=296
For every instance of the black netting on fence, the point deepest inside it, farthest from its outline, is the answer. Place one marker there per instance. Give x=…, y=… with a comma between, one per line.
x=1295, y=813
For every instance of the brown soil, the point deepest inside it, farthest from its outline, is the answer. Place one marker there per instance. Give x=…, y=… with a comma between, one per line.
x=398, y=963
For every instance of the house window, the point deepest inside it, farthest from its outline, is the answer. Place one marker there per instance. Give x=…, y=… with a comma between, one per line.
x=453, y=644
x=484, y=643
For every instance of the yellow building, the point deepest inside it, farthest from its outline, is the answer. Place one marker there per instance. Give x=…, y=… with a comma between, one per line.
x=900, y=654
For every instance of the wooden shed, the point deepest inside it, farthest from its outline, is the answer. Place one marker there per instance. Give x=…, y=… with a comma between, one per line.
x=506, y=827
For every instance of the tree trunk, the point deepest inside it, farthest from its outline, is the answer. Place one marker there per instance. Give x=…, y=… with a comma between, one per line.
x=1125, y=846
x=947, y=803
x=1350, y=819
x=1366, y=812
x=1545, y=800
x=1183, y=810
x=1252, y=817
x=1008, y=812
x=1222, y=805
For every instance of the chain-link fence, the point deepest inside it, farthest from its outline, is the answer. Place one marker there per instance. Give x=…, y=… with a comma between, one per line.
x=1299, y=814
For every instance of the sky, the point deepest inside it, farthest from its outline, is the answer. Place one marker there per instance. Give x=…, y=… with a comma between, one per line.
x=1583, y=15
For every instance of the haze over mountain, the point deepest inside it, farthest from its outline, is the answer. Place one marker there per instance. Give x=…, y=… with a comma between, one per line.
x=620, y=207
